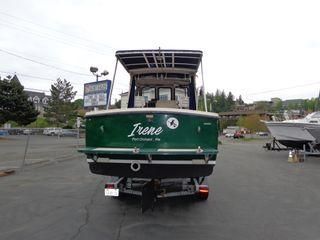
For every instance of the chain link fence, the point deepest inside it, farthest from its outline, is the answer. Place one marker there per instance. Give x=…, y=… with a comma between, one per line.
x=21, y=147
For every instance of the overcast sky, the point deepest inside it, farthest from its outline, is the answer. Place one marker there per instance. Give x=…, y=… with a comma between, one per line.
x=259, y=49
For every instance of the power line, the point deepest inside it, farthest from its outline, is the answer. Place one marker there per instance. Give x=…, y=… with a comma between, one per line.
x=43, y=78
x=44, y=64
x=36, y=77
x=55, y=30
x=45, y=91
x=38, y=90
x=282, y=89
x=27, y=75
x=52, y=37
x=51, y=60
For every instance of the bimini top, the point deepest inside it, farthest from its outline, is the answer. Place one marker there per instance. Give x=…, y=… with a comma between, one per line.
x=157, y=61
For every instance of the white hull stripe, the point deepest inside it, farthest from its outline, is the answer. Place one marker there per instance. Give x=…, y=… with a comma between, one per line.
x=152, y=111
x=135, y=149
x=114, y=149
x=178, y=162
x=176, y=150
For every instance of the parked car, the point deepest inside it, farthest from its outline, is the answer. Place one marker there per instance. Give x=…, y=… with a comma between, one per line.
x=238, y=134
x=52, y=131
x=4, y=132
x=15, y=131
x=28, y=132
x=229, y=135
x=68, y=133
x=262, y=133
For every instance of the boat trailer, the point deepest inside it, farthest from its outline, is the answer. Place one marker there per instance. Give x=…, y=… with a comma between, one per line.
x=311, y=149
x=152, y=189
x=274, y=145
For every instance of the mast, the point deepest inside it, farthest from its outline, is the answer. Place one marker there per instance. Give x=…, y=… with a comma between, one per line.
x=204, y=91
x=113, y=78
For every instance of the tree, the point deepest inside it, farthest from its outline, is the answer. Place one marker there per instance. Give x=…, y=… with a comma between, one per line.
x=252, y=122
x=39, y=123
x=240, y=101
x=78, y=104
x=217, y=102
x=14, y=104
x=263, y=106
x=230, y=101
x=60, y=110
x=279, y=106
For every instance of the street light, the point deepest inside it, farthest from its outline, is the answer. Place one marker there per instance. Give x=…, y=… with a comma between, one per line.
x=94, y=71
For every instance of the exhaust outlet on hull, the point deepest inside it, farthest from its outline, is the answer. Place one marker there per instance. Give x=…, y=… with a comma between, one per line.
x=135, y=166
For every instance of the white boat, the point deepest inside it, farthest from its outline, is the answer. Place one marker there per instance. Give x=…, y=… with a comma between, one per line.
x=298, y=132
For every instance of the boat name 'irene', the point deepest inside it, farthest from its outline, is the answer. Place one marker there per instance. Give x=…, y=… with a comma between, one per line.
x=145, y=130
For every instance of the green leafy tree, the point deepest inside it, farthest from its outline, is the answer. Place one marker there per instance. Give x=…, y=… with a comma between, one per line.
x=78, y=104
x=310, y=104
x=224, y=123
x=60, y=109
x=39, y=123
x=279, y=106
x=252, y=122
x=14, y=104
x=263, y=106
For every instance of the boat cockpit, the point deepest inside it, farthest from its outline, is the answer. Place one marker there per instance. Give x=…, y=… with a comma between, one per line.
x=162, y=92
x=161, y=79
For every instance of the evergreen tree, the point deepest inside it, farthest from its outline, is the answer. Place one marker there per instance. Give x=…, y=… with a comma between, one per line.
x=223, y=101
x=230, y=102
x=14, y=104
x=240, y=101
x=60, y=110
x=217, y=102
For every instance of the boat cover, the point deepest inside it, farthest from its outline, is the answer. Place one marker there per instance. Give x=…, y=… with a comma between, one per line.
x=141, y=61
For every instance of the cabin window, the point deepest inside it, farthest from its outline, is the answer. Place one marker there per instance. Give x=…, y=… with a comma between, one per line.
x=182, y=97
x=316, y=115
x=180, y=93
x=165, y=94
x=148, y=93
x=149, y=96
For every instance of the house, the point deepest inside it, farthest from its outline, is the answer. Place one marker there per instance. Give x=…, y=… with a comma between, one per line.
x=39, y=99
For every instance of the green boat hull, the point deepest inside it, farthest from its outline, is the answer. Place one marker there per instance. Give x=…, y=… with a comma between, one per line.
x=151, y=143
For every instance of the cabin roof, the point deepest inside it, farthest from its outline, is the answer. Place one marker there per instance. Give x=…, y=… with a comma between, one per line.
x=160, y=61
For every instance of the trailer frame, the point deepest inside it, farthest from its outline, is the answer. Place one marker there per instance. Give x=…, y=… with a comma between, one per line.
x=152, y=189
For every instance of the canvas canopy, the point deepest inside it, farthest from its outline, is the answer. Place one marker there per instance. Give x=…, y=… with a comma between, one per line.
x=160, y=61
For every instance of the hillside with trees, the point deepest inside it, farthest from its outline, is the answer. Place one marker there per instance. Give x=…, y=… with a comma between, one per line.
x=220, y=101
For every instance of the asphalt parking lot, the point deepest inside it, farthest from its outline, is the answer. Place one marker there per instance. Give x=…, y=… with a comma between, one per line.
x=254, y=194
x=18, y=149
